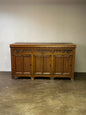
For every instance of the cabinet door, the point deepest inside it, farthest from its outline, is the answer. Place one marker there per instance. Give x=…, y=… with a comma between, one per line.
x=18, y=64
x=27, y=64
x=62, y=64
x=67, y=64
x=47, y=64
x=38, y=64
x=23, y=64
x=42, y=64
x=58, y=64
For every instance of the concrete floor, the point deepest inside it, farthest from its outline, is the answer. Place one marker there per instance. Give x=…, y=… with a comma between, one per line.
x=42, y=96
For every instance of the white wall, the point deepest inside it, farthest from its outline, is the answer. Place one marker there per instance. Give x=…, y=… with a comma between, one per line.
x=43, y=23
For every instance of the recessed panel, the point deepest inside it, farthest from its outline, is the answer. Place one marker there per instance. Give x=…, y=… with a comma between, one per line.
x=67, y=64
x=27, y=64
x=47, y=64
x=19, y=64
x=58, y=64
x=38, y=64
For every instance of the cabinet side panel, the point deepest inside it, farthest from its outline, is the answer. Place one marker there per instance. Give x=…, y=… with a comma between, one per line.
x=12, y=62
x=73, y=63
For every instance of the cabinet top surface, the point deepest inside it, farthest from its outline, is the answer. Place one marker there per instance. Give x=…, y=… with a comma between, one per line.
x=28, y=44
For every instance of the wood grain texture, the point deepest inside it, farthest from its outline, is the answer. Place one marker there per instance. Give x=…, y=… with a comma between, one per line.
x=47, y=64
x=27, y=64
x=67, y=64
x=38, y=64
x=58, y=64
x=43, y=59
x=73, y=64
x=19, y=64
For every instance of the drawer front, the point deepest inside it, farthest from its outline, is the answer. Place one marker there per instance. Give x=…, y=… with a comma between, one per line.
x=63, y=51
x=22, y=50
x=42, y=50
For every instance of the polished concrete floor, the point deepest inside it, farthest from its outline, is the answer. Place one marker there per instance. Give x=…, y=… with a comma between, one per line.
x=42, y=96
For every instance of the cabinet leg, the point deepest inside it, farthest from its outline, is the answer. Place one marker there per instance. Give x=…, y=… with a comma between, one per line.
x=72, y=78
x=52, y=78
x=32, y=78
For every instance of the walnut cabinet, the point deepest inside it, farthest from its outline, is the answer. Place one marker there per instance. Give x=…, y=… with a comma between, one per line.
x=42, y=60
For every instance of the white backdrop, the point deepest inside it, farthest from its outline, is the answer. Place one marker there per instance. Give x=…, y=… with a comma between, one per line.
x=43, y=23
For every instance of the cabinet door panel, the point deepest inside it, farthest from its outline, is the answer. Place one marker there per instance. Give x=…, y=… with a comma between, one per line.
x=19, y=64
x=38, y=64
x=42, y=64
x=58, y=64
x=46, y=64
x=27, y=64
x=67, y=64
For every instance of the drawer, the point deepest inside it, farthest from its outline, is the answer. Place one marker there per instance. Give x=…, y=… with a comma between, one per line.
x=42, y=50
x=21, y=50
x=63, y=50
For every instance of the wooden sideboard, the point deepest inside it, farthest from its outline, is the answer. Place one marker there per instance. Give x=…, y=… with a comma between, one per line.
x=42, y=60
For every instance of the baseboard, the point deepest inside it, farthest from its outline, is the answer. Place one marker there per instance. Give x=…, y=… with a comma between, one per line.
x=3, y=72
x=78, y=74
